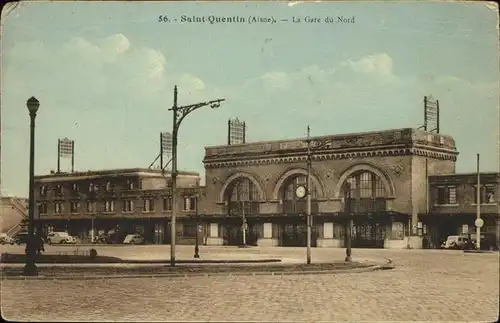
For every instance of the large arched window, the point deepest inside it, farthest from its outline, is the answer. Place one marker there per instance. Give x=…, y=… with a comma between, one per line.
x=367, y=192
x=242, y=195
x=293, y=204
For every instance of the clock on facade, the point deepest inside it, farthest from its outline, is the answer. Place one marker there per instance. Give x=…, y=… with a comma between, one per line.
x=300, y=191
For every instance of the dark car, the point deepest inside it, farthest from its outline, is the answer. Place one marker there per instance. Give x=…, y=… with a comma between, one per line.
x=488, y=241
x=21, y=238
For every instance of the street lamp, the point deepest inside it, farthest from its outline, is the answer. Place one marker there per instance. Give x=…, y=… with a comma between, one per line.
x=349, y=222
x=244, y=219
x=179, y=113
x=30, y=267
x=302, y=191
x=197, y=243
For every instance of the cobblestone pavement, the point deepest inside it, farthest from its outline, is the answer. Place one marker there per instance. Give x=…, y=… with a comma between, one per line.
x=427, y=285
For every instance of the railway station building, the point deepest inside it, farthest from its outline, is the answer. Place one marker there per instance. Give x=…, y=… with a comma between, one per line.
x=402, y=191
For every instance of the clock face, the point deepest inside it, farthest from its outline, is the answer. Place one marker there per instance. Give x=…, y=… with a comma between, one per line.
x=300, y=192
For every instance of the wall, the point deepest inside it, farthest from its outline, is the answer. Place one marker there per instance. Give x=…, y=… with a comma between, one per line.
x=396, y=168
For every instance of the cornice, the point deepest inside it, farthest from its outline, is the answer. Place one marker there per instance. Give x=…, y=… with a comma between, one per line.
x=322, y=156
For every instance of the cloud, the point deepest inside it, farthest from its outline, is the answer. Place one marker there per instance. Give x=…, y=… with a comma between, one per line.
x=379, y=64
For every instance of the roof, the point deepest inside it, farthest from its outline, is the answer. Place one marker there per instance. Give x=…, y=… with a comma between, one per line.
x=145, y=172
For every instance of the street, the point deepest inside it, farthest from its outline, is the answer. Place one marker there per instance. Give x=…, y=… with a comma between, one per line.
x=426, y=285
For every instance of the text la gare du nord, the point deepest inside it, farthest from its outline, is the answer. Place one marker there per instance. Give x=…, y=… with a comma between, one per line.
x=214, y=19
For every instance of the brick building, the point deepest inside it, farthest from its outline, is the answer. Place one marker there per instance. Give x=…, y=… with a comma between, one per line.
x=399, y=182
x=134, y=200
x=453, y=205
x=387, y=172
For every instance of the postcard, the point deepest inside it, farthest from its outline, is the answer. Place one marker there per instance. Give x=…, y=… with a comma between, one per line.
x=250, y=161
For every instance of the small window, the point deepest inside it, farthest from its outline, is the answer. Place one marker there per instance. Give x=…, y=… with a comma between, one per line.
x=109, y=206
x=128, y=206
x=397, y=135
x=486, y=194
x=447, y=195
x=167, y=203
x=58, y=208
x=43, y=190
x=91, y=207
x=59, y=190
x=109, y=187
x=149, y=205
x=130, y=185
x=76, y=188
x=192, y=203
x=75, y=207
x=42, y=208
x=93, y=188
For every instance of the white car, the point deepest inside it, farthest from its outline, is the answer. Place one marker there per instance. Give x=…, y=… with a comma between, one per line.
x=5, y=239
x=60, y=237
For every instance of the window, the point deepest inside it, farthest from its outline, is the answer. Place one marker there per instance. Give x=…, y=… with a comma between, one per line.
x=109, y=206
x=75, y=207
x=128, y=206
x=486, y=194
x=189, y=230
x=59, y=190
x=130, y=185
x=447, y=195
x=42, y=208
x=366, y=185
x=167, y=203
x=109, y=187
x=149, y=205
x=43, y=190
x=91, y=207
x=192, y=203
x=189, y=203
x=58, y=208
x=93, y=188
x=76, y=188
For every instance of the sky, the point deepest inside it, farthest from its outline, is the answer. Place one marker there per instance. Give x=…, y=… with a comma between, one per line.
x=104, y=74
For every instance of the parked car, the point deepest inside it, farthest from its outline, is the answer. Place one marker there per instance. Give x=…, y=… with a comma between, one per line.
x=20, y=238
x=134, y=239
x=60, y=238
x=488, y=240
x=5, y=239
x=455, y=242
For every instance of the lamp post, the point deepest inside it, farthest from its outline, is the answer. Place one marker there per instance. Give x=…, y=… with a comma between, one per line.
x=179, y=113
x=479, y=222
x=30, y=267
x=197, y=243
x=348, y=250
x=302, y=191
x=243, y=215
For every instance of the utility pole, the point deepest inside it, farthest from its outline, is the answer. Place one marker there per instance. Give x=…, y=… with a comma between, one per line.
x=348, y=250
x=308, y=218
x=179, y=113
x=479, y=222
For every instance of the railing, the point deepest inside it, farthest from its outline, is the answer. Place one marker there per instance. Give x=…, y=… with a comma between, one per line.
x=236, y=208
x=298, y=207
x=365, y=205
x=23, y=210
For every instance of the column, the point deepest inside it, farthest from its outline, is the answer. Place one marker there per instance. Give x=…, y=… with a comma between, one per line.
x=214, y=238
x=267, y=239
x=328, y=239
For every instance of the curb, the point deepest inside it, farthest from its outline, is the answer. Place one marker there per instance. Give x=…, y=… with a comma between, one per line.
x=479, y=251
x=387, y=266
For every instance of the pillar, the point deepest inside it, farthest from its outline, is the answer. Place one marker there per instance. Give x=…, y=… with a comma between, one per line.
x=328, y=239
x=267, y=239
x=214, y=238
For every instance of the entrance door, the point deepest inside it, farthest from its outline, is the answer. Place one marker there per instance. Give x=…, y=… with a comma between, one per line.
x=368, y=235
x=159, y=234
x=295, y=235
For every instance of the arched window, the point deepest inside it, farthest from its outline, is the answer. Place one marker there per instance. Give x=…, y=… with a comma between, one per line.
x=365, y=185
x=292, y=203
x=367, y=192
x=242, y=195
